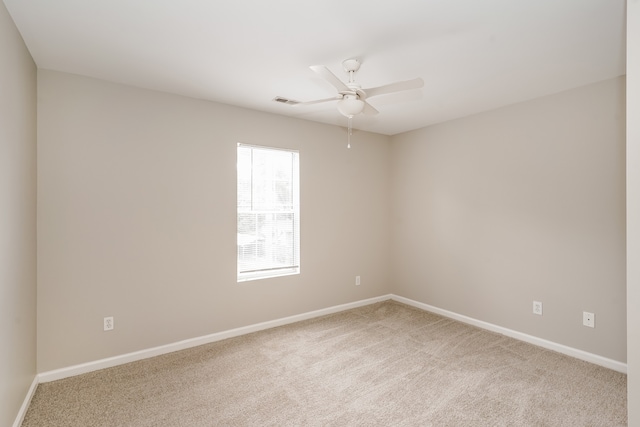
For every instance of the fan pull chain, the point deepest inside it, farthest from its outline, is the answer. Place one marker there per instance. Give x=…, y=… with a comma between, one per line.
x=349, y=132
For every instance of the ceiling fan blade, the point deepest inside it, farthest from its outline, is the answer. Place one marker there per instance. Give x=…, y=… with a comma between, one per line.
x=330, y=77
x=394, y=87
x=319, y=101
x=368, y=109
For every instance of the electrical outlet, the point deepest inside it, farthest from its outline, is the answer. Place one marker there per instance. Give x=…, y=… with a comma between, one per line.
x=537, y=308
x=357, y=280
x=588, y=319
x=108, y=323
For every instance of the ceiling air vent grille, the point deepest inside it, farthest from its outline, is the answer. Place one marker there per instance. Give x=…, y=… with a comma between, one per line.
x=285, y=101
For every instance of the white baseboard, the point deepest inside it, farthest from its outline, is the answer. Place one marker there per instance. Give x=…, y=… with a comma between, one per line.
x=569, y=351
x=70, y=371
x=194, y=342
x=25, y=405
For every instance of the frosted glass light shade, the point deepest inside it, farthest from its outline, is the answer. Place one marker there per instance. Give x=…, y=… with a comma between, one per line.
x=350, y=106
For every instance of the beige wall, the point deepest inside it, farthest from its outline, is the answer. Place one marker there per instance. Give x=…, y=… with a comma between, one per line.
x=136, y=218
x=519, y=204
x=17, y=220
x=633, y=210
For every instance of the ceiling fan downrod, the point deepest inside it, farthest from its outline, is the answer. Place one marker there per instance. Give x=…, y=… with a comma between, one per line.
x=351, y=66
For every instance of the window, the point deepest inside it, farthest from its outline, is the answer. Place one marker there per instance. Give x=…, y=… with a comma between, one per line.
x=268, y=212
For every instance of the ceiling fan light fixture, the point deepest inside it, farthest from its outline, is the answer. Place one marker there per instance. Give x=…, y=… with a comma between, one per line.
x=350, y=106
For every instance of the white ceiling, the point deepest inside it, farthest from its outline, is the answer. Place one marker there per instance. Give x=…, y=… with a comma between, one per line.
x=473, y=55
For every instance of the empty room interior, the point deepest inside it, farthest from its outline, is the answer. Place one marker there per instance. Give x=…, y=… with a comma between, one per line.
x=488, y=176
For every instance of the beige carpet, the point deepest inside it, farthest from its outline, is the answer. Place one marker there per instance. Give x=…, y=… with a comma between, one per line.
x=386, y=364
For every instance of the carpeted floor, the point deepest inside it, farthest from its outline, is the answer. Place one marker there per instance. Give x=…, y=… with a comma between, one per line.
x=385, y=364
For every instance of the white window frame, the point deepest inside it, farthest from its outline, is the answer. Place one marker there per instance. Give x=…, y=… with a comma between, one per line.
x=245, y=239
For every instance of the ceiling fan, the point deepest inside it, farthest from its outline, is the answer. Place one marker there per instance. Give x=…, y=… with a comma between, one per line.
x=352, y=99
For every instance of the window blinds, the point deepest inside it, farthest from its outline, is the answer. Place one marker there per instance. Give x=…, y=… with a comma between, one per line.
x=268, y=239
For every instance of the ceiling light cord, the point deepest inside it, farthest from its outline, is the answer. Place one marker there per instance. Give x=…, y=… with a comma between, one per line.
x=349, y=131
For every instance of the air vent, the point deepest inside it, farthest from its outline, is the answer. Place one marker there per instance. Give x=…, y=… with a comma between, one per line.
x=285, y=101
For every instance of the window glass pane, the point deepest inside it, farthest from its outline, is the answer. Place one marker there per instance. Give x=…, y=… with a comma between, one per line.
x=244, y=178
x=268, y=212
